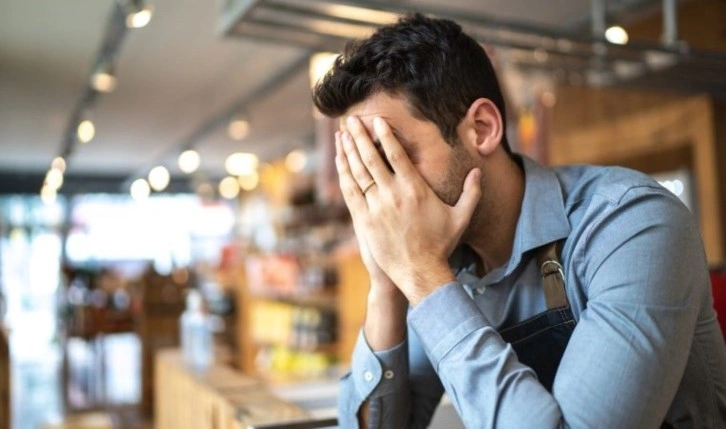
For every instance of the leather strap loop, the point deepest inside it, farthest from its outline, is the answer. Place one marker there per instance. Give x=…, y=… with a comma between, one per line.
x=553, y=277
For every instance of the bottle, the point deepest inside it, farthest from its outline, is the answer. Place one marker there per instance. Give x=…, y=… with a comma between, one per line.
x=196, y=335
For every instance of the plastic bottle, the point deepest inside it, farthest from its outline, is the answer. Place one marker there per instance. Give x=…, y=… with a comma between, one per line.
x=196, y=335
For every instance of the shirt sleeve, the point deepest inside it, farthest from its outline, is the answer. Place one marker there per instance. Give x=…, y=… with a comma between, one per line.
x=398, y=396
x=645, y=277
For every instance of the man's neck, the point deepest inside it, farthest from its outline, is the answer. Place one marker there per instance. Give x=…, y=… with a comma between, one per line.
x=491, y=233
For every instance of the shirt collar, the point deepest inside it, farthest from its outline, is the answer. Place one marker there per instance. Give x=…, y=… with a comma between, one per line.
x=542, y=220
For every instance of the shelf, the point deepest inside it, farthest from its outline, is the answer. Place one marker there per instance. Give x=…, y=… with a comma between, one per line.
x=327, y=300
x=327, y=348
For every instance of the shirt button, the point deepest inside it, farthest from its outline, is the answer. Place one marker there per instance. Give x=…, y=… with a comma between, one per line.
x=388, y=374
x=368, y=376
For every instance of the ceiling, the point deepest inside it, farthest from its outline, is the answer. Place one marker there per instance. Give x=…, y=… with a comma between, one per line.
x=176, y=76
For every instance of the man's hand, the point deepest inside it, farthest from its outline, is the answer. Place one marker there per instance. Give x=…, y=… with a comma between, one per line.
x=385, y=324
x=410, y=232
x=379, y=279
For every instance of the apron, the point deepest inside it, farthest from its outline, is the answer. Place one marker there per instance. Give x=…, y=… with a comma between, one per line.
x=540, y=341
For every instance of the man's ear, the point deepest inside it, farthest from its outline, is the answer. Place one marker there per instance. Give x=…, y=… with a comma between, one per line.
x=482, y=127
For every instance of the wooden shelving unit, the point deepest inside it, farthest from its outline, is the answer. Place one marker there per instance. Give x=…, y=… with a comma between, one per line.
x=346, y=300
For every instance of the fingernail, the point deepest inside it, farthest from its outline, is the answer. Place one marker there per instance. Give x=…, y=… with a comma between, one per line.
x=351, y=120
x=347, y=140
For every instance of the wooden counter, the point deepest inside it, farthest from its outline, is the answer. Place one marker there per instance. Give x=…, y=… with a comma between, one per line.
x=219, y=398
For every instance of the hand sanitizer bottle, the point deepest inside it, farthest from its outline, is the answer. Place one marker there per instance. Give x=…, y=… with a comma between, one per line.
x=196, y=335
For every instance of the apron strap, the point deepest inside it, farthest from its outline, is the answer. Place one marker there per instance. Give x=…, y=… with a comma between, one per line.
x=553, y=278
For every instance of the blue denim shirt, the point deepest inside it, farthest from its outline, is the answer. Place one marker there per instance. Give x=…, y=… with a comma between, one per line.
x=646, y=349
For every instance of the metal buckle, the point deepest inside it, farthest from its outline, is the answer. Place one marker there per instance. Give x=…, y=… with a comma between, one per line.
x=557, y=264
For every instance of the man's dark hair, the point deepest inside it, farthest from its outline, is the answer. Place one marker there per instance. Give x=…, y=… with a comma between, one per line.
x=438, y=68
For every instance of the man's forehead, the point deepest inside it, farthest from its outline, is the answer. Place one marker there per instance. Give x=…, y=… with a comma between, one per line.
x=368, y=123
x=366, y=119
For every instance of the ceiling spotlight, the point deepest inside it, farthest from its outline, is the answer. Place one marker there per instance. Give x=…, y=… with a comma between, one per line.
x=320, y=65
x=159, y=178
x=48, y=195
x=238, y=128
x=58, y=163
x=138, y=17
x=140, y=189
x=54, y=179
x=103, y=78
x=616, y=35
x=240, y=163
x=189, y=161
x=296, y=160
x=86, y=131
x=229, y=188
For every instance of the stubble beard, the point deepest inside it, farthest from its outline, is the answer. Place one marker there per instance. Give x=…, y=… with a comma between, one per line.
x=451, y=189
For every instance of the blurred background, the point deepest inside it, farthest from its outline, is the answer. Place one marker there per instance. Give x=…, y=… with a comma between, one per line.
x=153, y=148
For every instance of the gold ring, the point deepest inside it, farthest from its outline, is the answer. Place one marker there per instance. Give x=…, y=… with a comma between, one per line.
x=368, y=187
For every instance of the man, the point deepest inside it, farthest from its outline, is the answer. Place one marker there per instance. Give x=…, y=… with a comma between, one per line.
x=535, y=297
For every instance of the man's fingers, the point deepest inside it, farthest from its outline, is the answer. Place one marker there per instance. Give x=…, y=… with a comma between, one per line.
x=397, y=157
x=469, y=198
x=369, y=155
x=348, y=186
x=359, y=171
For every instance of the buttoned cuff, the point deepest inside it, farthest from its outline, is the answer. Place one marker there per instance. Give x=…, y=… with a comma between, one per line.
x=443, y=319
x=376, y=374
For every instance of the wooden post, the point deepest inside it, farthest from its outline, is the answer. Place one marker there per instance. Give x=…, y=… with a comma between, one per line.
x=5, y=384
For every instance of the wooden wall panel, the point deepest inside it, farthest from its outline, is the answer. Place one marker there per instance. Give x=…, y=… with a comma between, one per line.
x=615, y=126
x=352, y=299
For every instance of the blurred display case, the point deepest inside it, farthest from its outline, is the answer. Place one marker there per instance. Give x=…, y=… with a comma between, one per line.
x=297, y=318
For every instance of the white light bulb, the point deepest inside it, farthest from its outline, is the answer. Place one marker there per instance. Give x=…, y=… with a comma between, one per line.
x=159, y=178
x=86, y=131
x=58, y=163
x=320, y=65
x=189, y=161
x=238, y=129
x=229, y=188
x=103, y=82
x=249, y=181
x=617, y=35
x=296, y=160
x=241, y=163
x=140, y=189
x=48, y=195
x=54, y=179
x=140, y=18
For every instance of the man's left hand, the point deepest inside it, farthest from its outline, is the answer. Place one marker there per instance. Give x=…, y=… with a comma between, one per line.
x=410, y=231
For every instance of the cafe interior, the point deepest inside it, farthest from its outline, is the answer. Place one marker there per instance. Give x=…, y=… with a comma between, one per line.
x=162, y=168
